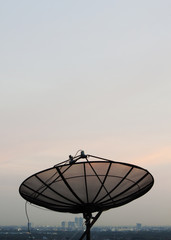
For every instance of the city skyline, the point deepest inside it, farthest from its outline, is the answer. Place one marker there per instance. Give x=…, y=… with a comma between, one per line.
x=85, y=75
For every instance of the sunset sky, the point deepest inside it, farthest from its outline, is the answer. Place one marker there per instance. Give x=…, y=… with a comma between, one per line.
x=91, y=75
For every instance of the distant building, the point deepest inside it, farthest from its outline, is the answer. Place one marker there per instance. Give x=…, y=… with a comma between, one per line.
x=79, y=222
x=71, y=225
x=138, y=226
x=29, y=226
x=63, y=224
x=77, y=225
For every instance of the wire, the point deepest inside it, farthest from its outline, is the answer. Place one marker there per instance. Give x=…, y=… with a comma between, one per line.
x=27, y=216
x=78, y=152
x=28, y=220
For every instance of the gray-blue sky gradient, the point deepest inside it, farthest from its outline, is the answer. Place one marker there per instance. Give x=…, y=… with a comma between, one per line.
x=92, y=75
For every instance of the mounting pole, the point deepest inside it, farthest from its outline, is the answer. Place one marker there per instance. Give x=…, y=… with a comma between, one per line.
x=89, y=224
x=87, y=217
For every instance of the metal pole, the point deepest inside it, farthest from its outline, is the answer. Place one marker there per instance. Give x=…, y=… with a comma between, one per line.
x=89, y=224
x=88, y=227
x=87, y=217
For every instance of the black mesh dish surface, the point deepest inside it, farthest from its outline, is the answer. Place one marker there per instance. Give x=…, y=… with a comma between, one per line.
x=86, y=185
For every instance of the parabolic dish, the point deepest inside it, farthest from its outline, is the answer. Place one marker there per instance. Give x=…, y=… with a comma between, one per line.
x=87, y=185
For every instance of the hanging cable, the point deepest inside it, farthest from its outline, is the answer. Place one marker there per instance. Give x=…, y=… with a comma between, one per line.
x=28, y=221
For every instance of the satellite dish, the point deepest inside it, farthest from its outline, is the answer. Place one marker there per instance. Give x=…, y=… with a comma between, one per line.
x=86, y=184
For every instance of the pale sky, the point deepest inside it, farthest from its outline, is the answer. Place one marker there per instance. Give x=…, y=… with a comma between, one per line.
x=91, y=75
